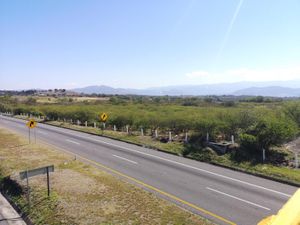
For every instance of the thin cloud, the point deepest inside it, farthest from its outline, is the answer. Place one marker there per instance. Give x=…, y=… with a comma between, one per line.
x=224, y=42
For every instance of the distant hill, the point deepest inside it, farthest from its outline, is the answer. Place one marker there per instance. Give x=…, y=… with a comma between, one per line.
x=102, y=89
x=274, y=91
x=274, y=88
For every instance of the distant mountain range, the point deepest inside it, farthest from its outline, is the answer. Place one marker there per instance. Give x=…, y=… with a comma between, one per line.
x=274, y=89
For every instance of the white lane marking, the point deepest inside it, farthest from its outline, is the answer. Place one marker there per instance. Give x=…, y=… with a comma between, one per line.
x=74, y=142
x=184, y=165
x=192, y=167
x=42, y=132
x=128, y=160
x=240, y=199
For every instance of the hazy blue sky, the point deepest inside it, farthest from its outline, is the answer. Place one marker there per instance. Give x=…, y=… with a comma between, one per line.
x=137, y=44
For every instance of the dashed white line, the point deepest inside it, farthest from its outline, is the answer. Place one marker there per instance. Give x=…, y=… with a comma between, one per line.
x=240, y=199
x=74, y=142
x=42, y=132
x=128, y=160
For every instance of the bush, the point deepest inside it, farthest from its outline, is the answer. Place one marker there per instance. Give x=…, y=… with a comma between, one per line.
x=248, y=142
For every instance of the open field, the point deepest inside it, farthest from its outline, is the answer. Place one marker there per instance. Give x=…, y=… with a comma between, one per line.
x=81, y=194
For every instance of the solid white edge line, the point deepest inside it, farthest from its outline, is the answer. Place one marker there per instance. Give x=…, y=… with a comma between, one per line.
x=125, y=159
x=74, y=142
x=178, y=163
x=240, y=199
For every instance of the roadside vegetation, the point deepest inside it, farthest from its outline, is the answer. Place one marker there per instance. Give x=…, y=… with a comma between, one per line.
x=255, y=123
x=80, y=193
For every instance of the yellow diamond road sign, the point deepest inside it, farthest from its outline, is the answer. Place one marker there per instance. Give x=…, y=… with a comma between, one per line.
x=31, y=123
x=103, y=117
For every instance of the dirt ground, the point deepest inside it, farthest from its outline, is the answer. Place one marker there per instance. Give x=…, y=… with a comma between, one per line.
x=83, y=194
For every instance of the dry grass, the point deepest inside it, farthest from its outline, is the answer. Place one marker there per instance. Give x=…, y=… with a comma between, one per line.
x=84, y=194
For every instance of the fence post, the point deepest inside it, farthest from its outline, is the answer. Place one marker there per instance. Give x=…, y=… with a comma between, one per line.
x=170, y=136
x=186, y=137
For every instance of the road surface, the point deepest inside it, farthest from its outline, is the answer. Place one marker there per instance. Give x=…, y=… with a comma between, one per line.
x=221, y=195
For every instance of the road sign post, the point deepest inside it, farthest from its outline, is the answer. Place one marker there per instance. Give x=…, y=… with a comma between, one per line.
x=31, y=124
x=103, y=118
x=39, y=171
x=28, y=189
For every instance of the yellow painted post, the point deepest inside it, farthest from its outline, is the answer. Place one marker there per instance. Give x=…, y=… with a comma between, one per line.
x=289, y=214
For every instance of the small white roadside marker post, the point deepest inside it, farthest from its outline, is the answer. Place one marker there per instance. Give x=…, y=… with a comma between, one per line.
x=115, y=128
x=207, y=137
x=232, y=139
x=85, y=123
x=186, y=137
x=156, y=133
x=170, y=136
x=127, y=129
x=142, y=132
x=296, y=160
x=78, y=122
x=264, y=155
x=95, y=125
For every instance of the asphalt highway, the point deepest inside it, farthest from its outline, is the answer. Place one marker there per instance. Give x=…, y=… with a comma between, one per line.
x=221, y=195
